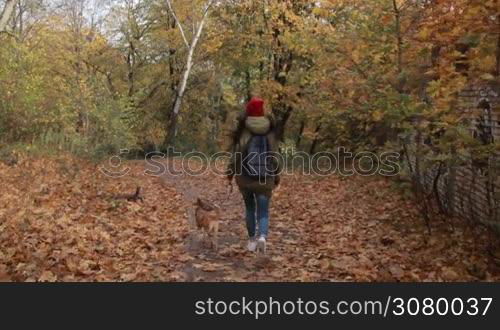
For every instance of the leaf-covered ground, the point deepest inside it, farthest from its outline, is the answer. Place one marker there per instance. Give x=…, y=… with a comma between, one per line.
x=62, y=220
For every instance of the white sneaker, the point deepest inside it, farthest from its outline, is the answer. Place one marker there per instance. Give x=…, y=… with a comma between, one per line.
x=252, y=245
x=261, y=245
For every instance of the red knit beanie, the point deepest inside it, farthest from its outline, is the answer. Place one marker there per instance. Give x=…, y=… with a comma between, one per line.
x=255, y=108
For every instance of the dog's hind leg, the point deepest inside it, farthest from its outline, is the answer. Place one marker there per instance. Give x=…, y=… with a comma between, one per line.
x=214, y=230
x=216, y=236
x=202, y=237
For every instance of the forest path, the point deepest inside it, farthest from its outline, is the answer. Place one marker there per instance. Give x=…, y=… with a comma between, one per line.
x=327, y=229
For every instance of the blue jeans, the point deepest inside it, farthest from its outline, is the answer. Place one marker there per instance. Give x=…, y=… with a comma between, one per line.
x=257, y=213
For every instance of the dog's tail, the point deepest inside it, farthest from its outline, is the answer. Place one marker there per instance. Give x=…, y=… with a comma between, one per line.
x=206, y=205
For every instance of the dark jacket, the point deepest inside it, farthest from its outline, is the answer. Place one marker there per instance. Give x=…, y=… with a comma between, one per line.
x=253, y=126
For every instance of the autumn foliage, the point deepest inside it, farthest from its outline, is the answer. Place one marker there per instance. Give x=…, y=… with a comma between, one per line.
x=82, y=80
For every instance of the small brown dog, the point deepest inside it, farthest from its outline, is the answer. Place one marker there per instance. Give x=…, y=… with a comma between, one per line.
x=207, y=219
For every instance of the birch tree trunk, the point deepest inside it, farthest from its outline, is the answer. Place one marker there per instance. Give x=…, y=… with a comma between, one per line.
x=181, y=88
x=6, y=14
x=399, y=37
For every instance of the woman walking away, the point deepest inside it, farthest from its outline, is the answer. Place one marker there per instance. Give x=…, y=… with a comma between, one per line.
x=255, y=169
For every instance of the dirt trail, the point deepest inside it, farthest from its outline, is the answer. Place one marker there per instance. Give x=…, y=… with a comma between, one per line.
x=330, y=229
x=208, y=265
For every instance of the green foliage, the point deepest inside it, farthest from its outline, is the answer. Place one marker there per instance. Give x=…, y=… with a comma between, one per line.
x=49, y=102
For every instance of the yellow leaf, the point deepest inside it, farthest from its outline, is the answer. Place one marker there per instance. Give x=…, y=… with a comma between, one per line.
x=377, y=115
x=487, y=76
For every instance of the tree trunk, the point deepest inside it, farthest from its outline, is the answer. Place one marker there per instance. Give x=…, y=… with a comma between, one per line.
x=131, y=71
x=6, y=14
x=314, y=144
x=498, y=47
x=20, y=26
x=248, y=81
x=301, y=132
x=282, y=64
x=397, y=16
x=172, y=125
x=171, y=130
x=282, y=116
